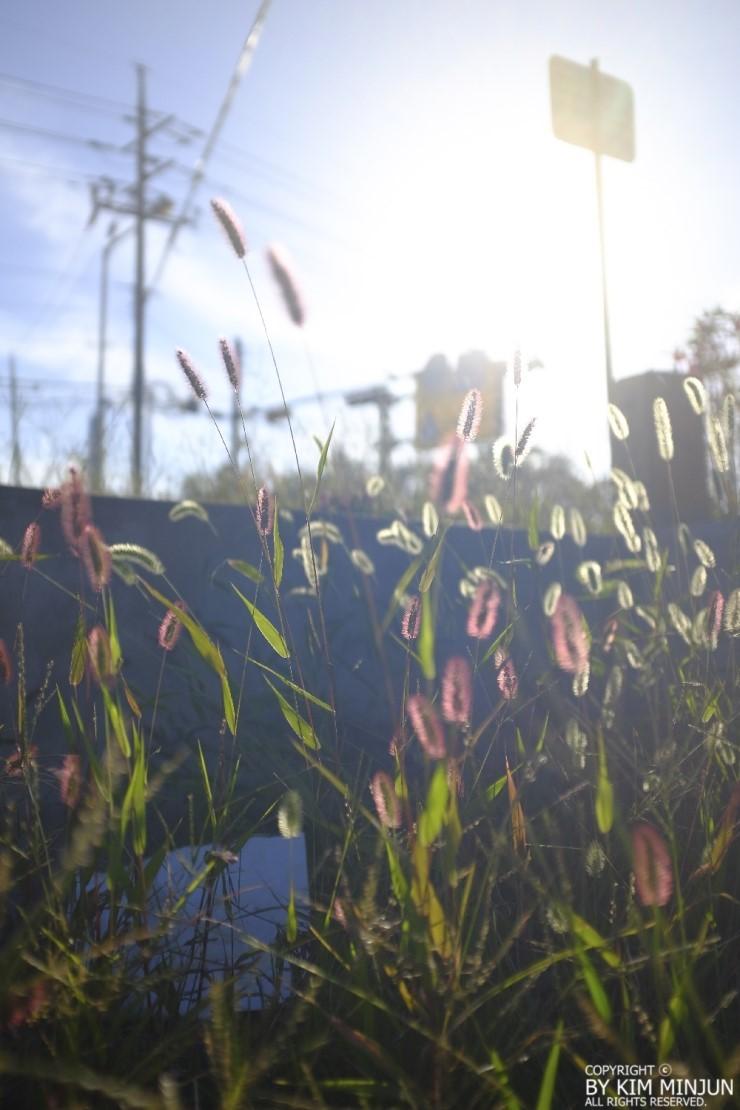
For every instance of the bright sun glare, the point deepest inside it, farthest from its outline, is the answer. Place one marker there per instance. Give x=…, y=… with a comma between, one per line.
x=495, y=247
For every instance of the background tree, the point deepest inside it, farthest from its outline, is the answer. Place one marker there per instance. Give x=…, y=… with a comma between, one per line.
x=714, y=350
x=714, y=356
x=549, y=478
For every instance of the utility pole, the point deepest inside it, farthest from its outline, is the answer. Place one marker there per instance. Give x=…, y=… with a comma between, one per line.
x=133, y=201
x=16, y=464
x=139, y=291
x=96, y=448
x=383, y=400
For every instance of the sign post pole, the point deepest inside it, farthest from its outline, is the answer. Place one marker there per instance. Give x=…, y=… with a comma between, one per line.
x=602, y=241
x=594, y=110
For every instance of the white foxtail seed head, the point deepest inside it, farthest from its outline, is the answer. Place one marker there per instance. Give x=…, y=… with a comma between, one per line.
x=544, y=553
x=680, y=621
x=429, y=520
x=717, y=444
x=375, y=485
x=577, y=741
x=646, y=616
x=663, y=430
x=704, y=554
x=290, y=815
x=727, y=415
x=362, y=561
x=493, y=508
x=626, y=490
x=698, y=583
x=624, y=596
x=504, y=457
x=696, y=393
x=580, y=682
x=624, y=525
x=551, y=598
x=618, y=422
x=643, y=501
x=557, y=522
x=700, y=631
x=652, y=552
x=398, y=535
x=125, y=553
x=577, y=527
x=471, y=411
x=588, y=574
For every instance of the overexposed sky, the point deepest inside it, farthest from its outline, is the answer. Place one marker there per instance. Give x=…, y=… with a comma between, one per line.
x=402, y=151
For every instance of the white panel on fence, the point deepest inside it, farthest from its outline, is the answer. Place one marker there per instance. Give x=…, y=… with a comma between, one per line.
x=240, y=898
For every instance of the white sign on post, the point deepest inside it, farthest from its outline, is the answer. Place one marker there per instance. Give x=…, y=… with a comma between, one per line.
x=592, y=109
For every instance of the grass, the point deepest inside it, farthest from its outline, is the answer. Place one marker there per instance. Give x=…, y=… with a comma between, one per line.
x=542, y=877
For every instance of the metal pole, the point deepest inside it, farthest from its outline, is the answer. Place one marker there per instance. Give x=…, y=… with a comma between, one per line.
x=605, y=300
x=140, y=291
x=96, y=424
x=602, y=244
x=15, y=419
x=385, y=439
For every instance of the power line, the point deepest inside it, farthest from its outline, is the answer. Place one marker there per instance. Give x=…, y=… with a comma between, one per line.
x=279, y=213
x=60, y=173
x=66, y=275
x=89, y=101
x=245, y=159
x=40, y=30
x=60, y=136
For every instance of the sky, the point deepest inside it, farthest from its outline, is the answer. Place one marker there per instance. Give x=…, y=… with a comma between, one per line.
x=402, y=152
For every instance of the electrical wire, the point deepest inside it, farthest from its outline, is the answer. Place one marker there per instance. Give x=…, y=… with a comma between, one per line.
x=60, y=136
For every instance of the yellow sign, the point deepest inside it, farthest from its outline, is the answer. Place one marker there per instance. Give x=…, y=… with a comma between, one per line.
x=440, y=392
x=592, y=109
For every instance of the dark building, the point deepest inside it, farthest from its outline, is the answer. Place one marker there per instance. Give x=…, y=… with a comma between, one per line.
x=635, y=397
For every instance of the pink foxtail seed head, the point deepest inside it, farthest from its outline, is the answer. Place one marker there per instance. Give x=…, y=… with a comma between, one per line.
x=457, y=690
x=170, y=628
x=286, y=283
x=229, y=221
x=386, y=800
x=191, y=374
x=411, y=622
x=483, y=610
x=96, y=556
x=426, y=725
x=231, y=363
x=652, y=865
x=30, y=545
x=76, y=512
x=265, y=514
x=569, y=636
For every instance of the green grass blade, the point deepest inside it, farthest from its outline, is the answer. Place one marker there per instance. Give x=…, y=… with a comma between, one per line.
x=265, y=626
x=547, y=1089
x=299, y=724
